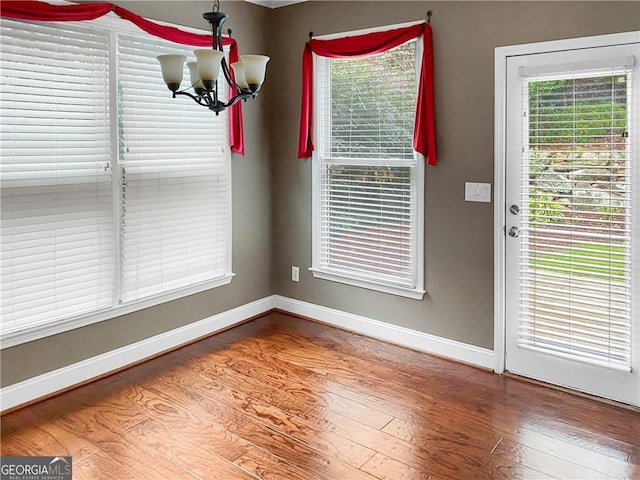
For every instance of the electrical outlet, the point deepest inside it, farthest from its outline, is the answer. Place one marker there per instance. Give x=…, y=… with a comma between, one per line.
x=295, y=274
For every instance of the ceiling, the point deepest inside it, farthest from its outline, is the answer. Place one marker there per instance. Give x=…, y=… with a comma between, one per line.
x=275, y=3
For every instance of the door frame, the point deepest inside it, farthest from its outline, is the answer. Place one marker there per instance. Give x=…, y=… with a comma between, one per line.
x=499, y=175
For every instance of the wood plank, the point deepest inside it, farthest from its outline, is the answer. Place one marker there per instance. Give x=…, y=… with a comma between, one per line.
x=440, y=453
x=194, y=456
x=310, y=397
x=282, y=445
x=45, y=439
x=393, y=400
x=503, y=468
x=401, y=358
x=255, y=351
x=622, y=424
x=432, y=427
x=385, y=468
x=547, y=463
x=118, y=404
x=427, y=384
x=277, y=397
x=361, y=413
x=481, y=416
x=334, y=445
x=166, y=406
x=588, y=458
x=266, y=466
x=573, y=435
x=142, y=461
x=260, y=355
x=292, y=385
x=100, y=467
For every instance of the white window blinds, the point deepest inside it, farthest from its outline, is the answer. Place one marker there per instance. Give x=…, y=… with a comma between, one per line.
x=57, y=228
x=367, y=220
x=114, y=194
x=577, y=185
x=175, y=228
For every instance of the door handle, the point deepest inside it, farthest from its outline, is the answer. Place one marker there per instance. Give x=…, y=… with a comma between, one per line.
x=514, y=232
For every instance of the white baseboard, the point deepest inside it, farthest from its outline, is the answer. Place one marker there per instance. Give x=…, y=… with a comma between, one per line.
x=63, y=378
x=77, y=373
x=406, y=337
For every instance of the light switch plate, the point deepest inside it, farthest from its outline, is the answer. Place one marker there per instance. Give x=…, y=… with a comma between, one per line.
x=477, y=192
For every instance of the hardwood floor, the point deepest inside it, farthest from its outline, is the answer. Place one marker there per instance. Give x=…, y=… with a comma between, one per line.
x=284, y=398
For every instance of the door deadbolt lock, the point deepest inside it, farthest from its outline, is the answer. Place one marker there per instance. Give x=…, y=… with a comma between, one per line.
x=514, y=209
x=513, y=232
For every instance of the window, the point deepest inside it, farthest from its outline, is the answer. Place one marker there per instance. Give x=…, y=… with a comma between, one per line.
x=368, y=182
x=115, y=196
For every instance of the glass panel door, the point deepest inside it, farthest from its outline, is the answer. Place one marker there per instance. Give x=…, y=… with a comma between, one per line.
x=571, y=175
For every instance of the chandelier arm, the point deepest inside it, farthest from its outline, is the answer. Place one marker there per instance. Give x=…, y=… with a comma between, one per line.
x=238, y=97
x=227, y=75
x=203, y=100
x=215, y=102
x=222, y=106
x=193, y=85
x=207, y=100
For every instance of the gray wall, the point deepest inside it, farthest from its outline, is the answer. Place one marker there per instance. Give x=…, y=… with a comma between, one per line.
x=458, y=235
x=272, y=188
x=251, y=225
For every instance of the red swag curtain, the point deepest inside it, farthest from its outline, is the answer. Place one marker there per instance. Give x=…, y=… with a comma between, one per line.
x=45, y=12
x=362, y=45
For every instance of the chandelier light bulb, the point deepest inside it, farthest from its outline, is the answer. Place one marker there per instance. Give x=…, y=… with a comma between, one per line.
x=209, y=63
x=172, y=70
x=255, y=67
x=238, y=72
x=196, y=83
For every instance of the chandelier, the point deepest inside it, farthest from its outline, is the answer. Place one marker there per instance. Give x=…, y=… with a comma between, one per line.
x=249, y=72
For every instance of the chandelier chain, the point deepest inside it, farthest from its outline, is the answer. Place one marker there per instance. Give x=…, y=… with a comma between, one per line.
x=216, y=6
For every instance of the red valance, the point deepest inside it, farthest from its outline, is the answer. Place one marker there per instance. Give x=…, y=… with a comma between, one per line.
x=362, y=45
x=45, y=12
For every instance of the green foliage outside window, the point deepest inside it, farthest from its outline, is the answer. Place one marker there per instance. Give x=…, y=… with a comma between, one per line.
x=566, y=112
x=373, y=105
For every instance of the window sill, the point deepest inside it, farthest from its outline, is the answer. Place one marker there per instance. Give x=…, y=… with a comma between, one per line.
x=28, y=333
x=401, y=291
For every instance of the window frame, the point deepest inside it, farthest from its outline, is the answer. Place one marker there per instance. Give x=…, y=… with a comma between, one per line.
x=16, y=335
x=418, y=182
